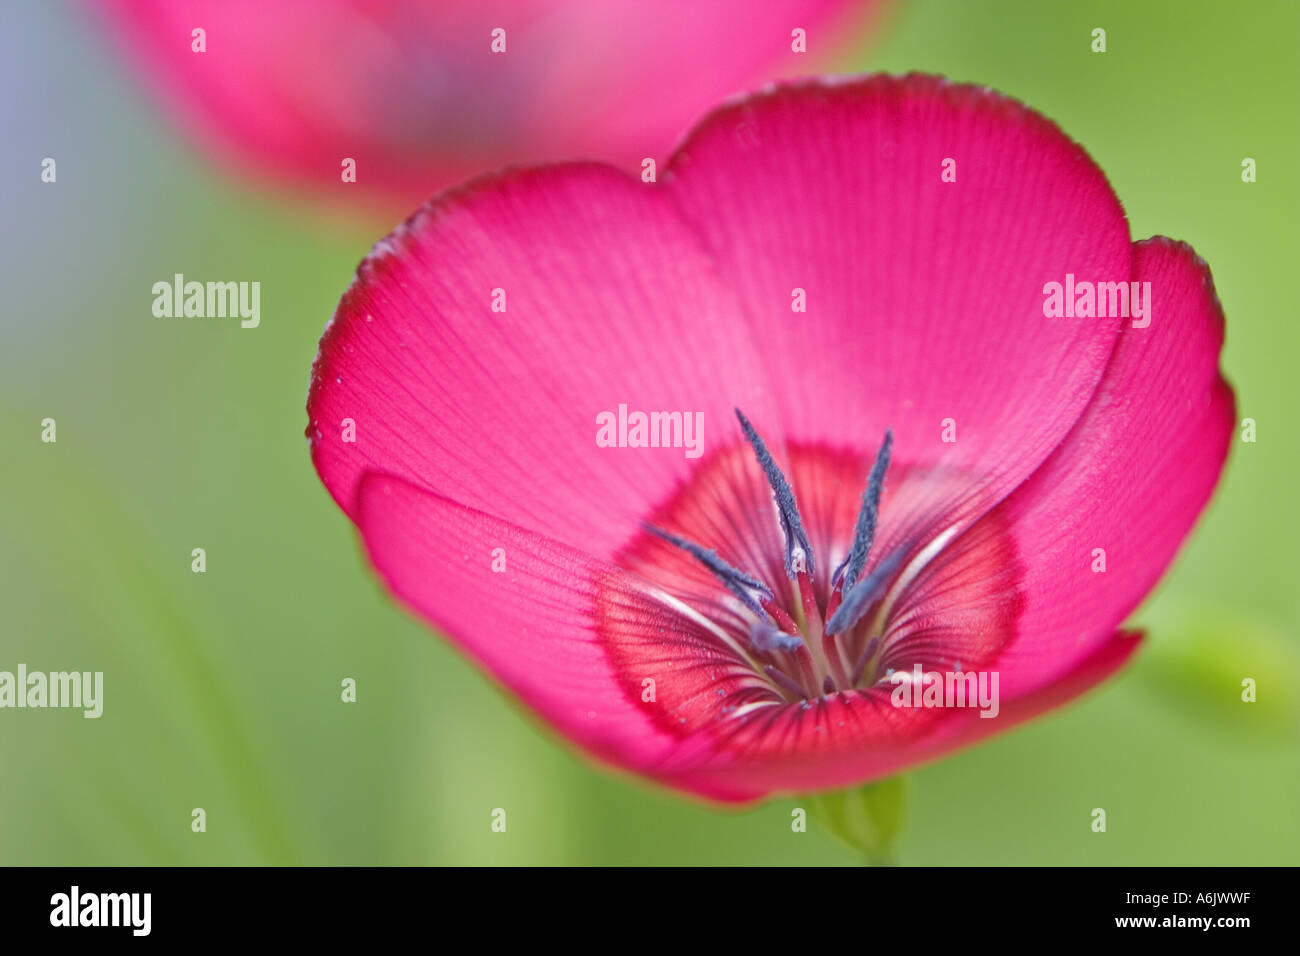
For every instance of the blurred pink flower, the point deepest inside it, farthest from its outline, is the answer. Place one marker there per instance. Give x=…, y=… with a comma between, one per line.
x=413, y=92
x=727, y=624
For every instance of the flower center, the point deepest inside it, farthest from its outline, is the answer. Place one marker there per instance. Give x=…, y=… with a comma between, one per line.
x=802, y=628
x=767, y=607
x=809, y=645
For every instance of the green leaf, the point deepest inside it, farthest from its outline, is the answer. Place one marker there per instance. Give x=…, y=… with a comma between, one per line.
x=869, y=819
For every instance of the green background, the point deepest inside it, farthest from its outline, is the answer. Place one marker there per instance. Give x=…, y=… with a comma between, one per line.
x=222, y=689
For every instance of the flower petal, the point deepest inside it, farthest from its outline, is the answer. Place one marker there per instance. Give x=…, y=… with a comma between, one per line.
x=1130, y=479
x=924, y=297
x=557, y=629
x=547, y=621
x=853, y=739
x=415, y=94
x=609, y=301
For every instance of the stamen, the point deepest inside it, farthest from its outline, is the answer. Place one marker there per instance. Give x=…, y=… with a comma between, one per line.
x=798, y=552
x=777, y=613
x=865, y=593
x=864, y=658
x=802, y=636
x=807, y=667
x=767, y=637
x=864, y=531
x=785, y=682
x=737, y=582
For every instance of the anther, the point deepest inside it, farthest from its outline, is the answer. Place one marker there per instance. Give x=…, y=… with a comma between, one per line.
x=864, y=531
x=864, y=594
x=795, y=539
x=767, y=637
x=739, y=583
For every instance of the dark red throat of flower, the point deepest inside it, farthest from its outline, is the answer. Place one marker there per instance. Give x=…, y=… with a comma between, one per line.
x=804, y=646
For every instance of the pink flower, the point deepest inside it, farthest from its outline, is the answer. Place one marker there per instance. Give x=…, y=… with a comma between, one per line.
x=415, y=94
x=937, y=471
